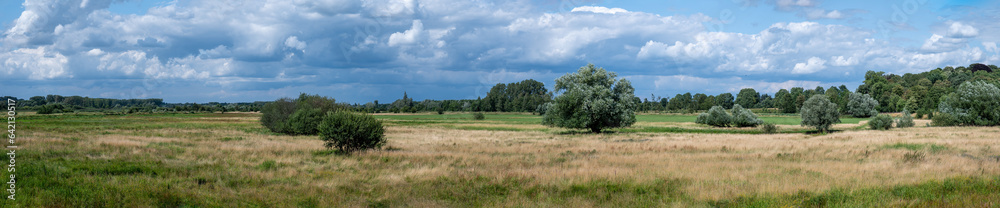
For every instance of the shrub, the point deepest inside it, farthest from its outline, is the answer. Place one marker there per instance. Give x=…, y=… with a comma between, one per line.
x=904, y=120
x=920, y=114
x=702, y=118
x=944, y=119
x=861, y=105
x=350, y=132
x=716, y=116
x=973, y=103
x=542, y=108
x=880, y=122
x=478, y=116
x=744, y=117
x=274, y=115
x=305, y=121
x=440, y=110
x=819, y=112
x=769, y=128
x=592, y=99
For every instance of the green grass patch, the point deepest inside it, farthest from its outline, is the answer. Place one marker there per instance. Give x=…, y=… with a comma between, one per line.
x=953, y=192
x=933, y=148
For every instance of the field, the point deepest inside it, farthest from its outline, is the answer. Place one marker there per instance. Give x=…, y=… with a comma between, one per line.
x=451, y=160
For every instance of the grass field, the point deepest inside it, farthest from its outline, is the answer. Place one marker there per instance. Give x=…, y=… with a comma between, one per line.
x=229, y=160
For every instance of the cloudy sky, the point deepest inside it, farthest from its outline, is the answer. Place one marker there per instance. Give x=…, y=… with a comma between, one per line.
x=359, y=51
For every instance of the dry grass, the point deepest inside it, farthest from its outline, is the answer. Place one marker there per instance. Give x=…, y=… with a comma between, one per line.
x=716, y=166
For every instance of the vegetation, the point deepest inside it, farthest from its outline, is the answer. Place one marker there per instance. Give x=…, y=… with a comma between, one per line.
x=524, y=96
x=478, y=116
x=715, y=117
x=862, y=105
x=592, y=99
x=819, y=112
x=297, y=116
x=904, y=120
x=880, y=122
x=744, y=117
x=769, y=128
x=351, y=132
x=974, y=103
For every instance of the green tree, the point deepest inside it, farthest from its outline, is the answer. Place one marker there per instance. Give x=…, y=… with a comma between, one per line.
x=861, y=105
x=592, y=99
x=747, y=97
x=725, y=100
x=819, y=112
x=973, y=103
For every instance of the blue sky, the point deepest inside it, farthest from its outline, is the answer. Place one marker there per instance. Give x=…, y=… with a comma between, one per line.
x=359, y=51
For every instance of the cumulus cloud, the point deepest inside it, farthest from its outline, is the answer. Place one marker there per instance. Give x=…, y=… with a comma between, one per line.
x=597, y=9
x=812, y=65
x=959, y=30
x=37, y=63
x=823, y=14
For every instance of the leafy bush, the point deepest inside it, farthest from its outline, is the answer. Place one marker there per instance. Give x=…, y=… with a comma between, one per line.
x=716, y=116
x=542, y=108
x=274, y=115
x=880, y=122
x=52, y=108
x=819, y=112
x=861, y=105
x=305, y=121
x=440, y=110
x=744, y=117
x=350, y=132
x=592, y=99
x=944, y=119
x=769, y=128
x=920, y=114
x=973, y=103
x=478, y=116
x=904, y=120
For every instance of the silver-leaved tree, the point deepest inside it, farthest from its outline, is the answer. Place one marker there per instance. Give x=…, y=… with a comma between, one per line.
x=592, y=99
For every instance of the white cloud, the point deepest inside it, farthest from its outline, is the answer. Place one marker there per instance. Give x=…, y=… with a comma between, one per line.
x=813, y=65
x=959, y=30
x=601, y=10
x=842, y=61
x=293, y=42
x=937, y=43
x=823, y=14
x=409, y=36
x=37, y=63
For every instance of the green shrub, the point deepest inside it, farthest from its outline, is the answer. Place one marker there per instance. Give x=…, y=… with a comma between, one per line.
x=716, y=116
x=478, y=116
x=819, y=112
x=744, y=117
x=305, y=121
x=973, y=103
x=904, y=120
x=861, y=105
x=769, y=128
x=920, y=113
x=440, y=110
x=880, y=122
x=350, y=132
x=274, y=115
x=943, y=119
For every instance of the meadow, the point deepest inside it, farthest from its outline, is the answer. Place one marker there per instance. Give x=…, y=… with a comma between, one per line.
x=452, y=160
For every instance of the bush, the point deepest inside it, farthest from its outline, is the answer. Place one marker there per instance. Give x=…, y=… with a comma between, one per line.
x=861, y=105
x=350, y=132
x=769, y=128
x=305, y=121
x=440, y=110
x=478, y=116
x=274, y=115
x=52, y=108
x=542, y=108
x=973, y=103
x=819, y=112
x=716, y=116
x=920, y=114
x=944, y=119
x=904, y=120
x=880, y=122
x=744, y=117
x=592, y=99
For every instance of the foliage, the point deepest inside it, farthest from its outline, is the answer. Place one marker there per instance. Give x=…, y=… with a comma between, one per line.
x=592, y=99
x=944, y=119
x=275, y=115
x=725, y=100
x=305, y=121
x=744, y=117
x=880, y=122
x=52, y=108
x=542, y=108
x=524, y=96
x=861, y=105
x=478, y=116
x=716, y=116
x=769, y=128
x=904, y=120
x=350, y=132
x=819, y=112
x=973, y=103
x=747, y=97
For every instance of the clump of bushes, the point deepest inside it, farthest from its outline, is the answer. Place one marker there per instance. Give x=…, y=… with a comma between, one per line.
x=478, y=116
x=744, y=117
x=350, y=132
x=944, y=119
x=880, y=122
x=904, y=120
x=769, y=128
x=973, y=103
x=53, y=108
x=297, y=116
x=861, y=105
x=716, y=116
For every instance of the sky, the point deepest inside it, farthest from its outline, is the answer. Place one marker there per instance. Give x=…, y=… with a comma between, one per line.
x=360, y=51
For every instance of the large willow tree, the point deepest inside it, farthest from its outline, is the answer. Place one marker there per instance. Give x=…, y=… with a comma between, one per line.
x=592, y=99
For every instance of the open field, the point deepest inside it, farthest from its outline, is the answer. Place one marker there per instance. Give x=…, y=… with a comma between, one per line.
x=209, y=160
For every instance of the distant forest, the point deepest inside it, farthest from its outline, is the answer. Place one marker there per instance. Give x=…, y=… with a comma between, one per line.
x=921, y=92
